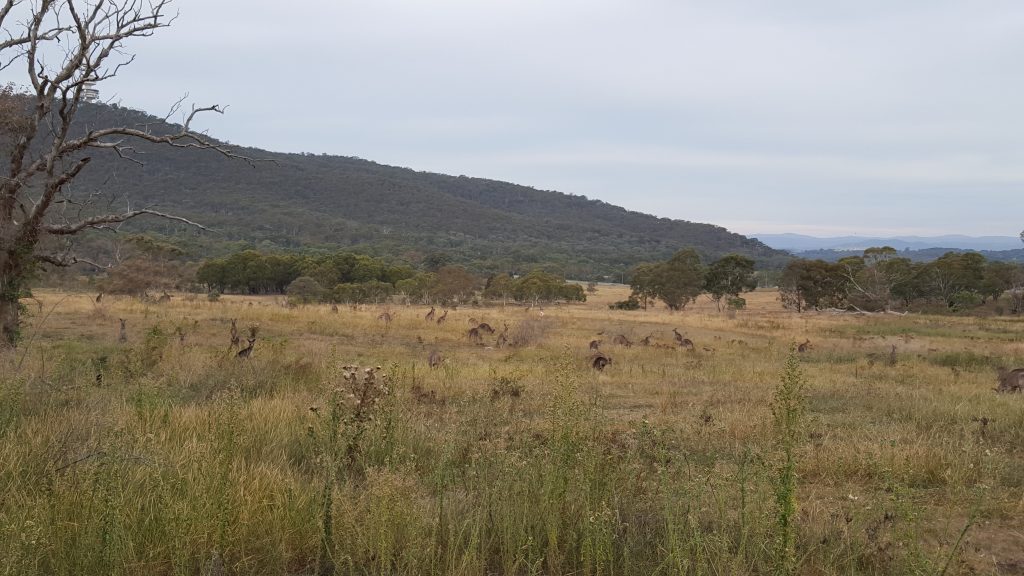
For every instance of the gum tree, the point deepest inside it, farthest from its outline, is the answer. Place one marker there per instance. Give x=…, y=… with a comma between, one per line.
x=65, y=47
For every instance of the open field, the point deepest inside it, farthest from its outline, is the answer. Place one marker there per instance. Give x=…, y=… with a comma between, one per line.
x=161, y=456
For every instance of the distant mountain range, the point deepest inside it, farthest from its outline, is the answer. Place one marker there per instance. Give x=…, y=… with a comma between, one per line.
x=802, y=243
x=306, y=202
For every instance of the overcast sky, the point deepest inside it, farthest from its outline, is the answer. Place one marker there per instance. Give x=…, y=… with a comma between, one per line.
x=859, y=117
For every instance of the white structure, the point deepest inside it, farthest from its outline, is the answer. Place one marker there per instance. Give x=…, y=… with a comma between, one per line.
x=89, y=92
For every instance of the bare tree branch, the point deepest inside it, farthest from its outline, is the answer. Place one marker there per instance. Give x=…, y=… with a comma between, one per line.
x=98, y=221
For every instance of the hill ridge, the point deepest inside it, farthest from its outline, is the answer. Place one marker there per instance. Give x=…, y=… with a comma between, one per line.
x=323, y=202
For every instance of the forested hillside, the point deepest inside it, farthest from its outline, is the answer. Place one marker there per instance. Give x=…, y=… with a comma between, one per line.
x=310, y=202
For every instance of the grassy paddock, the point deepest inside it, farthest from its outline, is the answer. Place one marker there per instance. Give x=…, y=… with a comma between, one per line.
x=166, y=457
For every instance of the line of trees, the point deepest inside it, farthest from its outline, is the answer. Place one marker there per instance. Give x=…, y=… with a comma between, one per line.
x=355, y=278
x=683, y=277
x=881, y=280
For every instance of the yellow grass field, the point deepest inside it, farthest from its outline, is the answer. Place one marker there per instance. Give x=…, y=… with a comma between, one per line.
x=170, y=456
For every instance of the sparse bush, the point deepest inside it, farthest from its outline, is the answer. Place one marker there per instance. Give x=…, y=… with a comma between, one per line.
x=630, y=303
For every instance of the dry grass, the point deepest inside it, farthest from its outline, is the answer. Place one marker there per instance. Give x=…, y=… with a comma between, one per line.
x=516, y=460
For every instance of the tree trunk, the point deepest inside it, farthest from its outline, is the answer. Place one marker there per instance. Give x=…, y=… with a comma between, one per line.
x=11, y=282
x=9, y=321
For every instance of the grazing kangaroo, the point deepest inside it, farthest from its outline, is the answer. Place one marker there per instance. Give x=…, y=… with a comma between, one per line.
x=474, y=336
x=441, y=319
x=435, y=359
x=621, y=340
x=430, y=315
x=122, y=336
x=688, y=344
x=164, y=298
x=646, y=340
x=485, y=327
x=801, y=348
x=1011, y=381
x=235, y=340
x=247, y=351
x=595, y=344
x=599, y=361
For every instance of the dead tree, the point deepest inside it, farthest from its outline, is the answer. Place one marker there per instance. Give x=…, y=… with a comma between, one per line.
x=66, y=47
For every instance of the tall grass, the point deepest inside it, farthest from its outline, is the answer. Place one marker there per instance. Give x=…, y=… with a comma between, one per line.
x=184, y=460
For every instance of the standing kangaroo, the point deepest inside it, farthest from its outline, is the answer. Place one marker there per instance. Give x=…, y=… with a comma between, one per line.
x=442, y=318
x=247, y=351
x=683, y=342
x=430, y=315
x=122, y=336
x=435, y=359
x=235, y=340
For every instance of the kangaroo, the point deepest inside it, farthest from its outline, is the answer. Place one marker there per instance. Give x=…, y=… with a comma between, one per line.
x=235, y=340
x=646, y=340
x=1011, y=381
x=122, y=336
x=430, y=315
x=688, y=344
x=334, y=308
x=502, y=340
x=441, y=319
x=474, y=335
x=247, y=351
x=485, y=327
x=595, y=344
x=801, y=348
x=435, y=359
x=678, y=337
x=181, y=335
x=99, y=297
x=164, y=298
x=599, y=361
x=385, y=318
x=621, y=340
